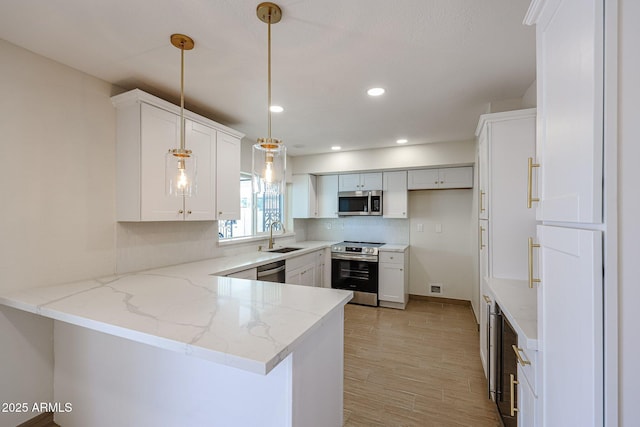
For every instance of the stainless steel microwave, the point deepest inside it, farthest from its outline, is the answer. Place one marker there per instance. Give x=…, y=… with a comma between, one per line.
x=360, y=203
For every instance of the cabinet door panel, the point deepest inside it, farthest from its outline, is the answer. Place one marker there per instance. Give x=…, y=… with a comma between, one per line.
x=394, y=186
x=570, y=326
x=160, y=132
x=391, y=280
x=349, y=182
x=202, y=141
x=570, y=99
x=327, y=186
x=483, y=175
x=227, y=177
x=456, y=177
x=371, y=181
x=423, y=179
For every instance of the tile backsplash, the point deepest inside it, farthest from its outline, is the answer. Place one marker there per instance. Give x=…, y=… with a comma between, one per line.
x=362, y=229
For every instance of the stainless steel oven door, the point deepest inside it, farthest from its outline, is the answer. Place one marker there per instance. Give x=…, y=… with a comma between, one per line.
x=358, y=273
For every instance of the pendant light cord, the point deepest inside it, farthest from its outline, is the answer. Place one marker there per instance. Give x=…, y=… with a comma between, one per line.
x=182, y=132
x=269, y=75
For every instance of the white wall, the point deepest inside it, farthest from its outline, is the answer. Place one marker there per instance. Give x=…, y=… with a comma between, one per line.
x=406, y=157
x=57, y=136
x=448, y=257
x=628, y=209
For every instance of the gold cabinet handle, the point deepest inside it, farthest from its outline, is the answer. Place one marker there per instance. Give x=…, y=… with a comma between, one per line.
x=531, y=199
x=486, y=299
x=180, y=211
x=521, y=360
x=532, y=245
x=482, y=194
x=512, y=383
x=482, y=245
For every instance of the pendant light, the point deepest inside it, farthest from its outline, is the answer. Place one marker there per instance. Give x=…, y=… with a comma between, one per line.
x=180, y=164
x=269, y=154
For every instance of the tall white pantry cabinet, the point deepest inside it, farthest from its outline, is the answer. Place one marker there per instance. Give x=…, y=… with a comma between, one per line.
x=568, y=170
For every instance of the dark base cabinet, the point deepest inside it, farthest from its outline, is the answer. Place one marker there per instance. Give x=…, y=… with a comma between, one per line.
x=506, y=370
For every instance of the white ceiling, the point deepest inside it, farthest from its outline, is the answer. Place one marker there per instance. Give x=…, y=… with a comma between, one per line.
x=441, y=61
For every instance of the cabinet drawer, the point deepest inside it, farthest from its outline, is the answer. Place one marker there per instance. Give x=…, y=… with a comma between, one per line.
x=391, y=257
x=528, y=369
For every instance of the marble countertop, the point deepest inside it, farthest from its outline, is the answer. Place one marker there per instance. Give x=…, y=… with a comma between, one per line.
x=231, y=264
x=248, y=324
x=393, y=247
x=519, y=304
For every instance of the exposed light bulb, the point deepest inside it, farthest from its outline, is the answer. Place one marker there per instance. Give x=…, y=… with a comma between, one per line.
x=182, y=180
x=268, y=172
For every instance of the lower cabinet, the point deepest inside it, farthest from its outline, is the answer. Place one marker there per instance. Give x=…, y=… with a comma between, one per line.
x=526, y=402
x=393, y=279
x=306, y=270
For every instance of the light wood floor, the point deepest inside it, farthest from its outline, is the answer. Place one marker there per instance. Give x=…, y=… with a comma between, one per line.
x=414, y=367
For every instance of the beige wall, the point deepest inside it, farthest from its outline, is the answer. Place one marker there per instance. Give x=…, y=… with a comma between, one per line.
x=629, y=207
x=407, y=157
x=57, y=137
x=447, y=257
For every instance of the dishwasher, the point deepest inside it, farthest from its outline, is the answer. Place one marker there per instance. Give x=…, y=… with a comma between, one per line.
x=272, y=272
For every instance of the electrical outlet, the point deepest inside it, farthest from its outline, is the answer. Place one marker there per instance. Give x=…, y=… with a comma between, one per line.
x=420, y=227
x=328, y=226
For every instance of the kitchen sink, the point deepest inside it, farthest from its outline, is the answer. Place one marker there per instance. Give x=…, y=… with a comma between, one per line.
x=284, y=250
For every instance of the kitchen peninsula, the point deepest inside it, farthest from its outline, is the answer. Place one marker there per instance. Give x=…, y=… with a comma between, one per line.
x=176, y=346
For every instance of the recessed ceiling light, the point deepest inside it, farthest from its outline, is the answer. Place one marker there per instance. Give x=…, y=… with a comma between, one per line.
x=276, y=109
x=336, y=148
x=375, y=91
x=402, y=141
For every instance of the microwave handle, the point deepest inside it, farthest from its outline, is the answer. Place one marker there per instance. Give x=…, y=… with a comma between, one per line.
x=369, y=207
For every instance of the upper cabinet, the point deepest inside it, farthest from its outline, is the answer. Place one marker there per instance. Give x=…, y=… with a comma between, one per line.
x=433, y=179
x=505, y=141
x=327, y=191
x=394, y=190
x=360, y=182
x=228, y=176
x=305, y=199
x=147, y=128
x=570, y=81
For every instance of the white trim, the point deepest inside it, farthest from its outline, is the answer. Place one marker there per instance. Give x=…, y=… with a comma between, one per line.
x=534, y=12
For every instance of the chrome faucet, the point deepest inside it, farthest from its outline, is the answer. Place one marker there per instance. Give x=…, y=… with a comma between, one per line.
x=271, y=231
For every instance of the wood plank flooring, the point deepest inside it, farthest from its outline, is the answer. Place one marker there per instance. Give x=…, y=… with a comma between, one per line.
x=414, y=367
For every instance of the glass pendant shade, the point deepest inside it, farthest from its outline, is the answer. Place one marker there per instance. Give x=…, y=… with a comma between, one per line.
x=180, y=173
x=268, y=167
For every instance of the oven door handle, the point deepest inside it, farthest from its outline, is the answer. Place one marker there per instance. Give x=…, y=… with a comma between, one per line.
x=348, y=257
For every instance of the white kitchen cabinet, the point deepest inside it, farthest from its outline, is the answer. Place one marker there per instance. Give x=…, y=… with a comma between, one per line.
x=570, y=330
x=249, y=274
x=483, y=176
x=305, y=199
x=526, y=402
x=570, y=97
x=227, y=177
x=393, y=275
x=445, y=178
x=158, y=129
x=327, y=192
x=360, y=181
x=394, y=187
x=488, y=338
x=147, y=128
x=507, y=140
x=301, y=270
x=322, y=278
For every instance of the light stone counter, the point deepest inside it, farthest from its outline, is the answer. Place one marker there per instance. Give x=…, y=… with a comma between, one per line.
x=519, y=303
x=251, y=325
x=393, y=248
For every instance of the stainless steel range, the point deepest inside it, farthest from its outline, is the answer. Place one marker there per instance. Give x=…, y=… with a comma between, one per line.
x=354, y=266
